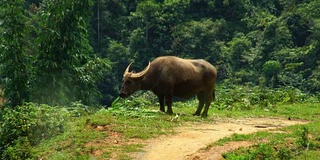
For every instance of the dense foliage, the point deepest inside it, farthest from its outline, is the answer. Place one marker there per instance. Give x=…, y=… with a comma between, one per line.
x=14, y=65
x=268, y=43
x=46, y=56
x=75, y=51
x=63, y=65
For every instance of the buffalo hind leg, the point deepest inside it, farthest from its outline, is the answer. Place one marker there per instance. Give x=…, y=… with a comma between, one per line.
x=161, y=101
x=201, y=98
x=208, y=101
x=169, y=104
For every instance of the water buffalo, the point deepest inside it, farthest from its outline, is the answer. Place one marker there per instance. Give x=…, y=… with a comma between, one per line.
x=170, y=76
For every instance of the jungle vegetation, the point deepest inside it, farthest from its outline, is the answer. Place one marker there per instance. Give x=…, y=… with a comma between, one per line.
x=64, y=51
x=73, y=53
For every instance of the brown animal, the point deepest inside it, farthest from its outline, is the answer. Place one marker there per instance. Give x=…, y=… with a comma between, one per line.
x=170, y=76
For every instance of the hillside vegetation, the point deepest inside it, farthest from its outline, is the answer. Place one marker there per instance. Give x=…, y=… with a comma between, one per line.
x=62, y=61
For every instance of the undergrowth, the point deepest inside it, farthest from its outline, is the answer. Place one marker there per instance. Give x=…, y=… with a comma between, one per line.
x=299, y=142
x=45, y=132
x=27, y=125
x=248, y=98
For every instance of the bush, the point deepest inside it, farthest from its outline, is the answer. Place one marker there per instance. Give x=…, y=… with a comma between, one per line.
x=271, y=70
x=20, y=149
x=25, y=126
x=247, y=98
x=246, y=76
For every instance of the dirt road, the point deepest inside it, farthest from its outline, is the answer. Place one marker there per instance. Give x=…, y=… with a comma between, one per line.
x=189, y=140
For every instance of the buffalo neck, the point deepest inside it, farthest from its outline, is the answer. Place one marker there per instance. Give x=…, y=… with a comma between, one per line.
x=147, y=83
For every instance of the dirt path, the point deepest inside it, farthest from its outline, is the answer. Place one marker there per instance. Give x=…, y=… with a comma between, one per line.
x=189, y=140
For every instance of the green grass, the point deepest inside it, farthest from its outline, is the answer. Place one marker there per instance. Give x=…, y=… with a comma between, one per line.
x=307, y=111
x=297, y=141
x=83, y=132
x=72, y=142
x=135, y=126
x=140, y=123
x=144, y=122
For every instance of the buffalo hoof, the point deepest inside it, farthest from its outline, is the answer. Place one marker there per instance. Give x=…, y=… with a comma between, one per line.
x=196, y=114
x=204, y=115
x=169, y=113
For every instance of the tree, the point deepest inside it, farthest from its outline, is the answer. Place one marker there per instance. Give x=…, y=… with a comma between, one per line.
x=144, y=39
x=271, y=70
x=109, y=21
x=120, y=58
x=14, y=63
x=239, y=37
x=239, y=48
x=66, y=69
x=199, y=39
x=154, y=23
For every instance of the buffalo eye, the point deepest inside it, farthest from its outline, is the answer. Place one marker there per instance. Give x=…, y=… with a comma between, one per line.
x=128, y=82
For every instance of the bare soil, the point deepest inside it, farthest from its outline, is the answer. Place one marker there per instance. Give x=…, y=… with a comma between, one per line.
x=190, y=140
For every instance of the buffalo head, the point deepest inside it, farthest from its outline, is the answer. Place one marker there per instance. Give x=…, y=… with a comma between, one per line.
x=131, y=81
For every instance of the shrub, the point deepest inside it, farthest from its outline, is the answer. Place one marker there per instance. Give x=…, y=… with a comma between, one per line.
x=246, y=76
x=25, y=126
x=271, y=70
x=247, y=98
x=20, y=149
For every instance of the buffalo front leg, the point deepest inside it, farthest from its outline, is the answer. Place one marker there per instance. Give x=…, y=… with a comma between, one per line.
x=201, y=99
x=161, y=102
x=169, y=104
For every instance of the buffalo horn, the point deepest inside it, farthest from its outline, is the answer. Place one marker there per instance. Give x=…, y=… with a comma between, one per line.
x=127, y=70
x=140, y=74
